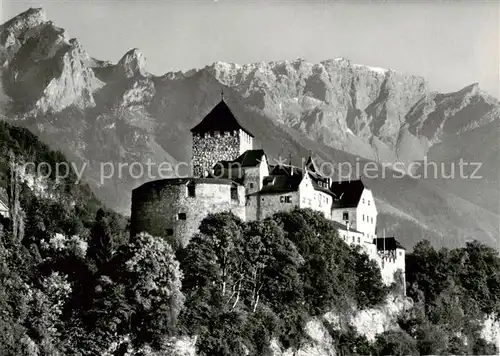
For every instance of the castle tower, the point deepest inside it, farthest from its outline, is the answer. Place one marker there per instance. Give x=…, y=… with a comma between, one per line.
x=218, y=137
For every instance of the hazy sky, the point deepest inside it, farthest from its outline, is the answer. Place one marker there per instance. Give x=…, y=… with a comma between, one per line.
x=451, y=44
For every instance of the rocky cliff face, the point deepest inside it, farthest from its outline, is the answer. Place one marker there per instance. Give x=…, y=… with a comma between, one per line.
x=46, y=70
x=99, y=113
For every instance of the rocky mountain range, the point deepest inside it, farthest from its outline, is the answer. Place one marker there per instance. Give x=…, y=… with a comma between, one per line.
x=97, y=112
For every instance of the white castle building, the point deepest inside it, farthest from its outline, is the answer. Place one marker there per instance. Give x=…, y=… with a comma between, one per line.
x=230, y=175
x=4, y=209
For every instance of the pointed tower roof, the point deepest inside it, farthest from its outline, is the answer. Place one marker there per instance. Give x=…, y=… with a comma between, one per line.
x=311, y=165
x=220, y=118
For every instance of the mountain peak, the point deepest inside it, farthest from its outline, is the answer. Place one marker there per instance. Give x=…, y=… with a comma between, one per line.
x=133, y=63
x=33, y=13
x=15, y=31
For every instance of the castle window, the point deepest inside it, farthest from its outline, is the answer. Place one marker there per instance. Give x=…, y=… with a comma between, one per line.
x=251, y=185
x=345, y=216
x=191, y=191
x=359, y=240
x=181, y=216
x=170, y=232
x=363, y=217
x=363, y=200
x=353, y=239
x=368, y=202
x=234, y=193
x=400, y=253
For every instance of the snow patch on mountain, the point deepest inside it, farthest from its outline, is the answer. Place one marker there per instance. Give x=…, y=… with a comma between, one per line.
x=378, y=70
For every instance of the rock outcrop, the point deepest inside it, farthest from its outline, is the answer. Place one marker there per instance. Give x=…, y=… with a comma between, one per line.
x=46, y=70
x=96, y=111
x=132, y=64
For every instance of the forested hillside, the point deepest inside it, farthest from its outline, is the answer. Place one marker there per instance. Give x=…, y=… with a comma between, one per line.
x=73, y=283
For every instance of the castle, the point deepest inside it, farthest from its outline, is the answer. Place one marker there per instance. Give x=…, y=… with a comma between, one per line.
x=230, y=175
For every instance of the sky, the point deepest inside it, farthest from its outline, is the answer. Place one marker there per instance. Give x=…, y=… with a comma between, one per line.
x=450, y=43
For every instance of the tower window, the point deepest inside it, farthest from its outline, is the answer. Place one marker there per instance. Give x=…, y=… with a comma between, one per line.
x=345, y=216
x=359, y=240
x=234, y=193
x=251, y=185
x=368, y=202
x=191, y=191
x=181, y=216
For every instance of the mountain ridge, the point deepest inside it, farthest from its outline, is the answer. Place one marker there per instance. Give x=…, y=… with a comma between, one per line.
x=96, y=111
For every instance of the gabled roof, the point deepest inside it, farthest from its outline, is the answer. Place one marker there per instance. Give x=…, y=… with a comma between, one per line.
x=281, y=184
x=347, y=193
x=250, y=158
x=390, y=243
x=287, y=178
x=220, y=118
x=231, y=169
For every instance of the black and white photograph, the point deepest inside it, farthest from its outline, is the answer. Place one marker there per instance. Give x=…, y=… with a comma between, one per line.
x=249, y=177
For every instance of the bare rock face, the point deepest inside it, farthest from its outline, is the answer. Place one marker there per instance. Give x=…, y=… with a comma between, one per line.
x=96, y=111
x=336, y=102
x=132, y=64
x=47, y=71
x=73, y=84
x=14, y=32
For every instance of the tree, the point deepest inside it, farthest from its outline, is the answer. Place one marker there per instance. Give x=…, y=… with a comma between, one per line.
x=272, y=265
x=370, y=289
x=213, y=260
x=431, y=340
x=107, y=235
x=328, y=269
x=153, y=281
x=395, y=343
x=482, y=347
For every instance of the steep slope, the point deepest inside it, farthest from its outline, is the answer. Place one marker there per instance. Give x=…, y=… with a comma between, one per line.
x=102, y=114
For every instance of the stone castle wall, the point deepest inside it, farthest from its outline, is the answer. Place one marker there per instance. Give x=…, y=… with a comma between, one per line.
x=212, y=147
x=159, y=208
